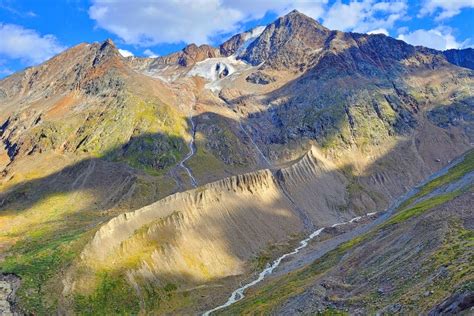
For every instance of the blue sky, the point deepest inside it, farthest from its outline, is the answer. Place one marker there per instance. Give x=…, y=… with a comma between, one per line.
x=31, y=31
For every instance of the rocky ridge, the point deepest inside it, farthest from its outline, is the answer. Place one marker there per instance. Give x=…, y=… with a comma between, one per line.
x=346, y=123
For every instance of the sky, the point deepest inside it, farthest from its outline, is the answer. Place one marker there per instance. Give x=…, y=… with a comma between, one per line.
x=32, y=31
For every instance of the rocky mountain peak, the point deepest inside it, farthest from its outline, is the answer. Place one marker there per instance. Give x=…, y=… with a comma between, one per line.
x=106, y=51
x=108, y=42
x=289, y=42
x=296, y=16
x=190, y=55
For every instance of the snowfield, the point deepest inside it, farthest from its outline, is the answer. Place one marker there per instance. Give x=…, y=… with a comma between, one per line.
x=218, y=70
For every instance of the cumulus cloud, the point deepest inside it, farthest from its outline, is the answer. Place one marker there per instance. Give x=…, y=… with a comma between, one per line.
x=363, y=16
x=439, y=38
x=150, y=53
x=379, y=31
x=125, y=53
x=27, y=45
x=150, y=22
x=444, y=8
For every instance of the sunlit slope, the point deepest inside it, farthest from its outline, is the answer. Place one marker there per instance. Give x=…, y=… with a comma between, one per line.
x=420, y=260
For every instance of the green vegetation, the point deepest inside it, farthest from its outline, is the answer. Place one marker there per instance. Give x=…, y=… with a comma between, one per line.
x=203, y=162
x=261, y=261
x=219, y=152
x=113, y=296
x=38, y=259
x=421, y=207
x=449, y=268
x=455, y=173
x=157, y=141
x=332, y=312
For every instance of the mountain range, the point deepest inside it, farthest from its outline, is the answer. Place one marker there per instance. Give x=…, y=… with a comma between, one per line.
x=160, y=185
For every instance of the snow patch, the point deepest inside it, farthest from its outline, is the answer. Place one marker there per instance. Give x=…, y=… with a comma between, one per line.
x=249, y=37
x=125, y=53
x=217, y=70
x=213, y=69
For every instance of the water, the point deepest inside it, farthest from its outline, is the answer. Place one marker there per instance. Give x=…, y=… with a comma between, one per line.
x=238, y=294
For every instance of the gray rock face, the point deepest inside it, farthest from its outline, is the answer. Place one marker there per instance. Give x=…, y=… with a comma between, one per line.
x=456, y=303
x=289, y=42
x=9, y=283
x=231, y=46
x=459, y=114
x=260, y=78
x=461, y=57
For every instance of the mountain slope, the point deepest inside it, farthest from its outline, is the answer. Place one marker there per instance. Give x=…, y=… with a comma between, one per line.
x=461, y=57
x=420, y=260
x=158, y=184
x=288, y=42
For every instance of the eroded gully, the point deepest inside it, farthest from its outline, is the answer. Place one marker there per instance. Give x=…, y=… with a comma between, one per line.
x=190, y=153
x=238, y=294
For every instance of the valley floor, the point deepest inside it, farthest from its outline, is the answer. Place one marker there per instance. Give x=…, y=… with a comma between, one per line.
x=409, y=260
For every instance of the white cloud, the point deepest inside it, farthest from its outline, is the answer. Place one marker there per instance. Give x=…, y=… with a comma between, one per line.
x=27, y=45
x=125, y=53
x=439, y=38
x=149, y=22
x=363, y=16
x=150, y=53
x=379, y=31
x=444, y=8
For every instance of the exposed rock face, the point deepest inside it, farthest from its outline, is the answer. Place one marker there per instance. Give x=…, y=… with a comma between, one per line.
x=375, y=72
x=289, y=42
x=193, y=54
x=8, y=286
x=459, y=302
x=73, y=69
x=238, y=43
x=188, y=56
x=461, y=57
x=232, y=45
x=459, y=114
x=260, y=78
x=92, y=142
